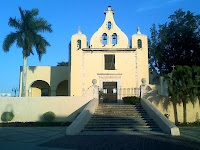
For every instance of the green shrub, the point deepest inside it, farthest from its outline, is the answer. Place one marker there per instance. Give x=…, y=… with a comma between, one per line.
x=131, y=100
x=49, y=116
x=7, y=116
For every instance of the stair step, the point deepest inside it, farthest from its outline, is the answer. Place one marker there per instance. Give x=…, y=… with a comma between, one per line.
x=120, y=126
x=120, y=108
x=129, y=108
x=122, y=129
x=120, y=113
x=120, y=122
x=120, y=116
x=115, y=117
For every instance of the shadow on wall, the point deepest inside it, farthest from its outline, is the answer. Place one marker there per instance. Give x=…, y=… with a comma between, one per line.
x=32, y=68
x=153, y=97
x=69, y=118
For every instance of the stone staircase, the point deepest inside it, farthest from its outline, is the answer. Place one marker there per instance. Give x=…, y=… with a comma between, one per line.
x=120, y=119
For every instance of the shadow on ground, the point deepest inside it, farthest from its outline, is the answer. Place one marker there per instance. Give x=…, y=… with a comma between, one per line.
x=122, y=142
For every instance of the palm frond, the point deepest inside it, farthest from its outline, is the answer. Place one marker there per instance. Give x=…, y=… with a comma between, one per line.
x=13, y=22
x=26, y=34
x=41, y=25
x=21, y=13
x=40, y=45
x=9, y=40
x=34, y=12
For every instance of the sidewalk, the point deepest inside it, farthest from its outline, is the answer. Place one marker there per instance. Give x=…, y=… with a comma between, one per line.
x=53, y=138
x=191, y=132
x=28, y=137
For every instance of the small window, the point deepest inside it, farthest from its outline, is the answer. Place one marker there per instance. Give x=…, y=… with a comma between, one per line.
x=109, y=25
x=139, y=43
x=114, y=38
x=79, y=44
x=104, y=39
x=109, y=62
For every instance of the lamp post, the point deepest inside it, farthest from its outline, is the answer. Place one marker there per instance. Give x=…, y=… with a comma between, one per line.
x=15, y=91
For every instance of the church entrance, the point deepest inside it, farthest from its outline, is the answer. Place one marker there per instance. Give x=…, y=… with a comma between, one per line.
x=109, y=92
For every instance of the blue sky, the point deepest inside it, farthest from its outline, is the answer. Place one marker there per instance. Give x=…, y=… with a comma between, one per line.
x=65, y=17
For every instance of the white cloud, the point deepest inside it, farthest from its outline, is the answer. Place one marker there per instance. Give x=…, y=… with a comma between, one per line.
x=155, y=5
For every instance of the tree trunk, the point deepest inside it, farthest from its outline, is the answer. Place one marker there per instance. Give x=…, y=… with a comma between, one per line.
x=24, y=76
x=175, y=113
x=184, y=113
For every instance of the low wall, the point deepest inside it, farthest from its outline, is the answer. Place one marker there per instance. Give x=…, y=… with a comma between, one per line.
x=166, y=126
x=30, y=109
x=163, y=104
x=78, y=124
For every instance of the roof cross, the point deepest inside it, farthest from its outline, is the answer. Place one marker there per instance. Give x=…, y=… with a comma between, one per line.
x=173, y=67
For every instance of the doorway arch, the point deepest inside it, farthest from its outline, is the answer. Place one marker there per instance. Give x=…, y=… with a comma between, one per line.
x=62, y=88
x=39, y=88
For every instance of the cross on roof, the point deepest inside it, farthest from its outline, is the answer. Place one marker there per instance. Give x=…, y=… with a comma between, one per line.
x=173, y=67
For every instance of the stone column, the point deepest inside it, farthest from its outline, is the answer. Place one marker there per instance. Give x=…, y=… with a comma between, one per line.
x=143, y=87
x=53, y=92
x=95, y=89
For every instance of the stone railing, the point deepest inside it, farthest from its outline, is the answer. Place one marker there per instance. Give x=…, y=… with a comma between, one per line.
x=165, y=125
x=78, y=124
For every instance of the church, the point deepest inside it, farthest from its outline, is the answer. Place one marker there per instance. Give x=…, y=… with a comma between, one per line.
x=117, y=65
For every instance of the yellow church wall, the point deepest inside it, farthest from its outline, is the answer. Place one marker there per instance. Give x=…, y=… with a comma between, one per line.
x=193, y=111
x=35, y=92
x=88, y=63
x=142, y=56
x=163, y=104
x=124, y=69
x=76, y=64
x=51, y=76
x=96, y=40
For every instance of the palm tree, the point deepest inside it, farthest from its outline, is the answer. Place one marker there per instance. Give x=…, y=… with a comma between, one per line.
x=184, y=86
x=26, y=37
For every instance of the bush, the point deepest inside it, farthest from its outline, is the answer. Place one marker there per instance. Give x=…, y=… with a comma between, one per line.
x=7, y=116
x=131, y=100
x=49, y=116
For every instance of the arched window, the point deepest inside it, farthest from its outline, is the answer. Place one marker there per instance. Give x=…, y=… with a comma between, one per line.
x=109, y=25
x=114, y=38
x=104, y=39
x=79, y=44
x=139, y=43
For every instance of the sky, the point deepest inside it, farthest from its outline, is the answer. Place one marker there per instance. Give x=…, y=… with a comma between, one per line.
x=66, y=16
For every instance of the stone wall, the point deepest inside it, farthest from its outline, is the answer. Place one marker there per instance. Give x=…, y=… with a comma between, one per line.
x=30, y=109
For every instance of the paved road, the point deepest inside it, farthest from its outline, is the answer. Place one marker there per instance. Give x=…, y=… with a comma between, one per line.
x=53, y=138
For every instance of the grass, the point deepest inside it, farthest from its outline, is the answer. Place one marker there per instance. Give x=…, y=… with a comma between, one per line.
x=189, y=124
x=35, y=124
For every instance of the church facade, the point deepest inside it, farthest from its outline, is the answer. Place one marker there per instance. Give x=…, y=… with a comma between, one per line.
x=110, y=59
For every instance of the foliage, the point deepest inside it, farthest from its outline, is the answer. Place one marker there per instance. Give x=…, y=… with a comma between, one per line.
x=49, y=116
x=7, y=116
x=176, y=42
x=184, y=86
x=190, y=124
x=101, y=94
x=131, y=100
x=27, y=36
x=63, y=63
